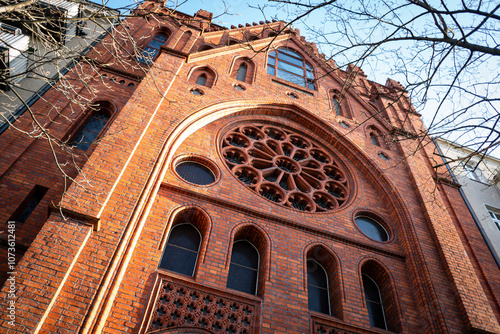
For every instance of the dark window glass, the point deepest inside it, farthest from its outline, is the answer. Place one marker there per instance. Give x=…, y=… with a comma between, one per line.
x=29, y=204
x=336, y=105
x=196, y=92
x=244, y=268
x=195, y=173
x=374, y=303
x=374, y=139
x=202, y=80
x=289, y=65
x=181, y=251
x=383, y=156
x=153, y=48
x=372, y=229
x=242, y=72
x=90, y=131
x=317, y=287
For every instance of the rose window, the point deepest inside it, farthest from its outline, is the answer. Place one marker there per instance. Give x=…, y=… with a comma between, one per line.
x=285, y=167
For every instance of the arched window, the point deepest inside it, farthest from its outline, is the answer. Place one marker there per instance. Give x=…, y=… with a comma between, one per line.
x=151, y=51
x=291, y=66
x=242, y=72
x=317, y=287
x=374, y=138
x=336, y=105
x=202, y=80
x=91, y=129
x=181, y=251
x=244, y=268
x=203, y=76
x=374, y=302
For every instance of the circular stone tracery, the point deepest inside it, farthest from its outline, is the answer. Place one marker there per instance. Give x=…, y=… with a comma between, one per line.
x=285, y=167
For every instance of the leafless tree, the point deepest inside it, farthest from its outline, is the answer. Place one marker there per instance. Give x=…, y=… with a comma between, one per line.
x=445, y=53
x=41, y=41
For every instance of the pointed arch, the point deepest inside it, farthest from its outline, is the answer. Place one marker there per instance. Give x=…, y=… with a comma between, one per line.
x=375, y=137
x=203, y=76
x=290, y=65
x=93, y=124
x=339, y=104
x=152, y=48
x=243, y=69
x=399, y=213
x=200, y=221
x=330, y=263
x=260, y=240
x=379, y=295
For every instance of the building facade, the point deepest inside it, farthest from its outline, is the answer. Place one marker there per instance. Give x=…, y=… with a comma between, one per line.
x=234, y=181
x=40, y=43
x=479, y=178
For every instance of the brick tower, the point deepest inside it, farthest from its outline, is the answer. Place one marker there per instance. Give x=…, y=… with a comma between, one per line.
x=234, y=181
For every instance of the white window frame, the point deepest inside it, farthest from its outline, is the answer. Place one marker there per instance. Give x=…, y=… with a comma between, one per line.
x=474, y=172
x=494, y=215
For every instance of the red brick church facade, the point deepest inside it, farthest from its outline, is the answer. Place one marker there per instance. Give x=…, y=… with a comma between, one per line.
x=243, y=184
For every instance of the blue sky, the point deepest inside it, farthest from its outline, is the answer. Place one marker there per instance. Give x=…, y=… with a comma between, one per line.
x=234, y=12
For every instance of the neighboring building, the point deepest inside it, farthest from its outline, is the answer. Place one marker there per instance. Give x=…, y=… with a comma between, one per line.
x=34, y=55
x=225, y=190
x=479, y=177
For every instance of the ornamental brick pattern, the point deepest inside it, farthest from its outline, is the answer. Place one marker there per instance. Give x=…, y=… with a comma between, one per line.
x=178, y=305
x=91, y=265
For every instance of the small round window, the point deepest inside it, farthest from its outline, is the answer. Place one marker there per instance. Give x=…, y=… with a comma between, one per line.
x=195, y=172
x=371, y=228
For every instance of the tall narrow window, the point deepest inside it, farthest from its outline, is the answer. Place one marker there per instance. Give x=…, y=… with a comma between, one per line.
x=181, y=251
x=244, y=268
x=317, y=287
x=29, y=204
x=202, y=80
x=374, y=303
x=242, y=72
x=151, y=51
x=291, y=66
x=94, y=125
x=336, y=105
x=374, y=139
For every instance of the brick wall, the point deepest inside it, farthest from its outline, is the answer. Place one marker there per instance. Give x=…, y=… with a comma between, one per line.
x=98, y=271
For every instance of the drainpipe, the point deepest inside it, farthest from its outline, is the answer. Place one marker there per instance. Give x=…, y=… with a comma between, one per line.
x=476, y=220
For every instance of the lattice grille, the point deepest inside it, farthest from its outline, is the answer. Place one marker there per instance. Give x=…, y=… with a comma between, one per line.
x=325, y=329
x=178, y=305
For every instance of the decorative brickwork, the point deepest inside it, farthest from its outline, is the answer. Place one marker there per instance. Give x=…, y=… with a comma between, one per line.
x=179, y=305
x=285, y=167
x=325, y=329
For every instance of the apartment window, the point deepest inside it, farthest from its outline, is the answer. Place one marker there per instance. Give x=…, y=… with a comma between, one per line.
x=494, y=215
x=291, y=66
x=181, y=251
x=151, y=51
x=474, y=173
x=244, y=268
x=29, y=204
x=317, y=287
